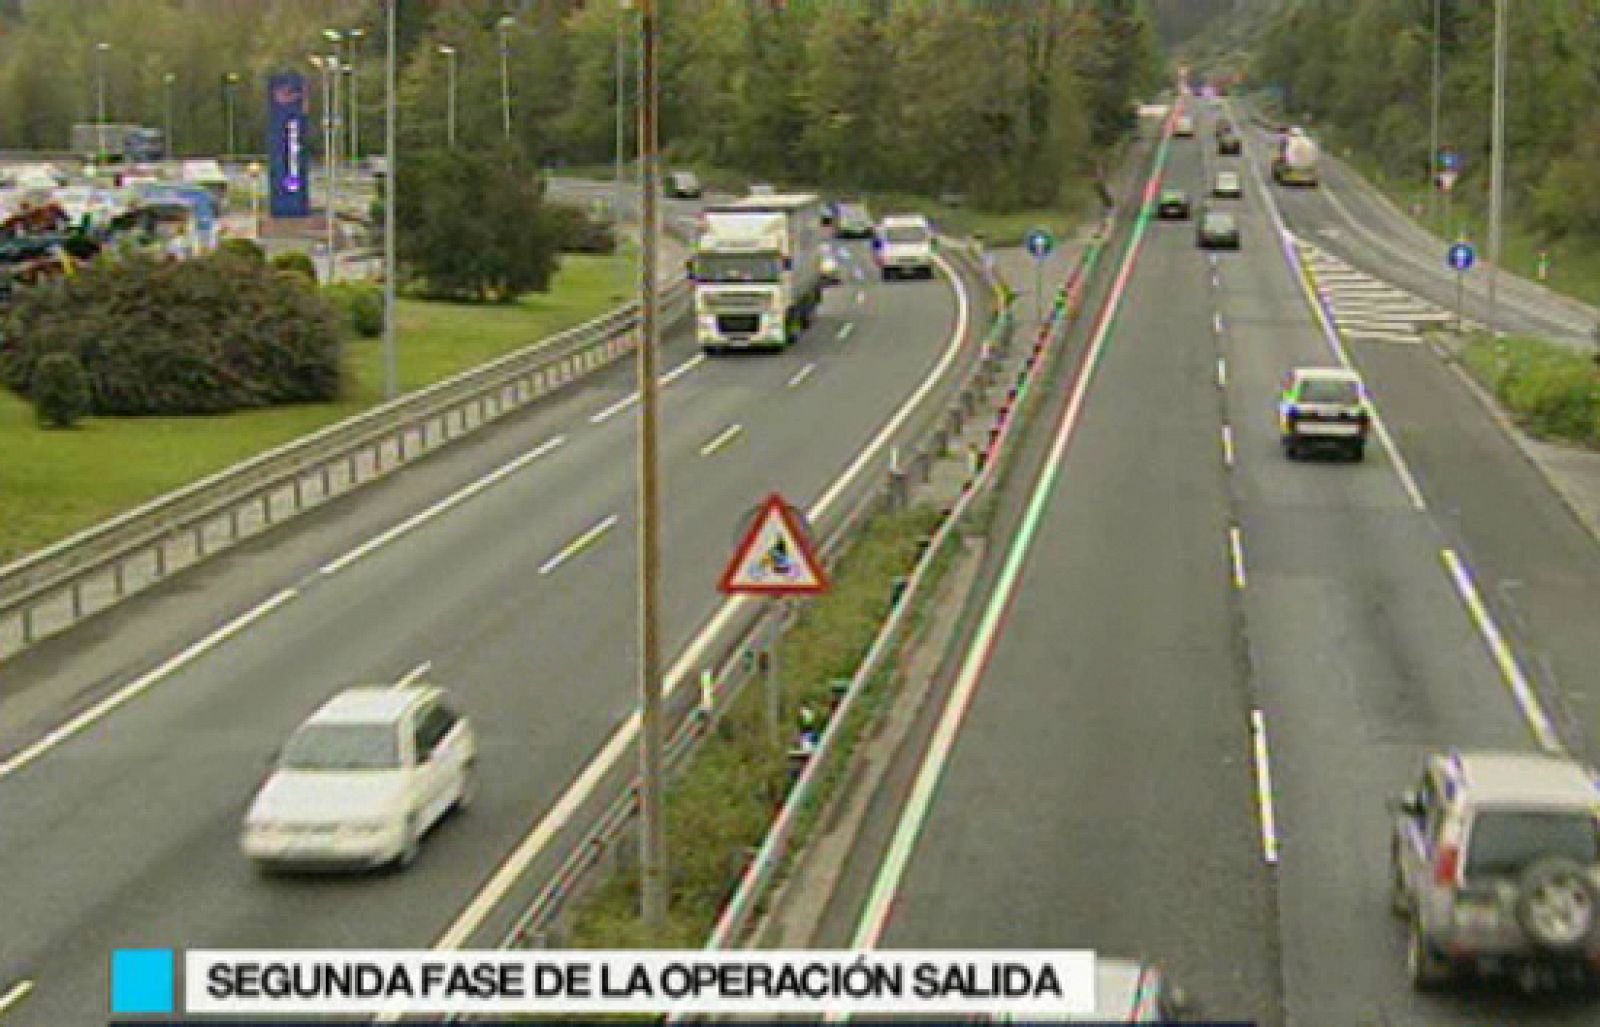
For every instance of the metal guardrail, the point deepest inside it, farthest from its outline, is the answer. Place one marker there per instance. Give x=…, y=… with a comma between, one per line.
x=537, y=926
x=50, y=590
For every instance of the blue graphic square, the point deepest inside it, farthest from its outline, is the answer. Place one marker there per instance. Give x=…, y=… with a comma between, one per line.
x=141, y=981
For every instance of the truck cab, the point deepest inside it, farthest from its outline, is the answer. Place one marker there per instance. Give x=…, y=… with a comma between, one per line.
x=757, y=272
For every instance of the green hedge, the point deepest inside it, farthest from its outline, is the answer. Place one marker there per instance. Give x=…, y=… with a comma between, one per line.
x=1551, y=390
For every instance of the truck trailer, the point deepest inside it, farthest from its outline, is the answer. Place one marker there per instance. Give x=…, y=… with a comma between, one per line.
x=1294, y=162
x=757, y=271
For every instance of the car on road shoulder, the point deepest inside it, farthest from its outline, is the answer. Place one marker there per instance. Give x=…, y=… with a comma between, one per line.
x=1495, y=866
x=1173, y=205
x=1217, y=230
x=1126, y=991
x=363, y=779
x=1323, y=408
x=1228, y=186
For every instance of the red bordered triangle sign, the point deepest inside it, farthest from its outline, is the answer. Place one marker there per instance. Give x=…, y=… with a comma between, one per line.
x=776, y=557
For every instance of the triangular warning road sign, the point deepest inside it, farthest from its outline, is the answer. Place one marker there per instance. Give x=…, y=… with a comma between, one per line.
x=775, y=557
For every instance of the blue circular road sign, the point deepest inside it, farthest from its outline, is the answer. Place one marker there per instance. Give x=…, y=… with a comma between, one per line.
x=1462, y=255
x=1449, y=160
x=1040, y=243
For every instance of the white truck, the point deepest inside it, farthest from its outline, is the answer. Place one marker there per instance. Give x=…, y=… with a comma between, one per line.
x=1295, y=160
x=757, y=271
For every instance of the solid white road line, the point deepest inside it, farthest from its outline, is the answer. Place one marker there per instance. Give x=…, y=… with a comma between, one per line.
x=14, y=996
x=415, y=674
x=1521, y=691
x=844, y=333
x=1236, y=552
x=687, y=667
x=143, y=684
x=1269, y=821
x=1222, y=372
x=1227, y=445
x=728, y=435
x=802, y=374
x=449, y=502
x=579, y=544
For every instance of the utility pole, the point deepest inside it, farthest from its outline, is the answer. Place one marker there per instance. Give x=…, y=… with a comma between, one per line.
x=229, y=80
x=391, y=374
x=449, y=53
x=1433, y=121
x=167, y=81
x=505, y=24
x=624, y=7
x=1498, y=160
x=652, y=812
x=354, y=35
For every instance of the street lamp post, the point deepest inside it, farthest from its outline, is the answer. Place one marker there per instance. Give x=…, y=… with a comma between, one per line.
x=1498, y=158
x=100, y=50
x=450, y=93
x=256, y=188
x=328, y=66
x=391, y=372
x=505, y=25
x=229, y=80
x=625, y=7
x=354, y=36
x=167, y=81
x=1433, y=119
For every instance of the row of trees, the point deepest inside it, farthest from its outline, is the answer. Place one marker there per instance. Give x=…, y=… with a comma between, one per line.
x=1366, y=66
x=1001, y=101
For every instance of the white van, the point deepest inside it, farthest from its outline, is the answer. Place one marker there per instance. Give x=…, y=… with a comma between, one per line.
x=903, y=245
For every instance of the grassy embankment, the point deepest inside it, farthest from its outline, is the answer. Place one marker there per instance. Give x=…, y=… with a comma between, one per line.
x=1551, y=391
x=54, y=483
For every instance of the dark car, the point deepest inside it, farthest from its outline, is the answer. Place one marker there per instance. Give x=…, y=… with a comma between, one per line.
x=1217, y=231
x=1173, y=205
x=1228, y=141
x=852, y=221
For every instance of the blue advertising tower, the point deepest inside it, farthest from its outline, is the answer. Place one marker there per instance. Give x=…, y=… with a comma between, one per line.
x=289, y=164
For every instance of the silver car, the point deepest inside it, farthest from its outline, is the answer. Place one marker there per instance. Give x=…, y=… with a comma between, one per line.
x=1496, y=869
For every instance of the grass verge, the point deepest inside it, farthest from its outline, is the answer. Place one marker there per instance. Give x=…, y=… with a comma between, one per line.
x=720, y=807
x=55, y=483
x=1549, y=390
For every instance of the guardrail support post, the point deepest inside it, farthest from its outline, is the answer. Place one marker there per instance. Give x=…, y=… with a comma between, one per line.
x=956, y=418
x=266, y=507
x=899, y=492
x=923, y=464
x=161, y=558
x=118, y=579
x=200, y=541
x=299, y=494
x=327, y=480
x=77, y=600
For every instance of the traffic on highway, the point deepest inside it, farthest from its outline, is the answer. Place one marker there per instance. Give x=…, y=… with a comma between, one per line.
x=1167, y=611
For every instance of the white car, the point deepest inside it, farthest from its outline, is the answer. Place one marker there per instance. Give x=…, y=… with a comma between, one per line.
x=903, y=246
x=1228, y=186
x=363, y=779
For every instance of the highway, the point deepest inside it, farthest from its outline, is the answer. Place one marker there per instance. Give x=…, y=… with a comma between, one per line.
x=521, y=597
x=1196, y=670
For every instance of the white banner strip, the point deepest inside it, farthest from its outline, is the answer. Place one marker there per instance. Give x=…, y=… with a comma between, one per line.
x=1020, y=983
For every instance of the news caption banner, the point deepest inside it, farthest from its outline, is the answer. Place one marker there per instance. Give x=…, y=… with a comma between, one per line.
x=301, y=983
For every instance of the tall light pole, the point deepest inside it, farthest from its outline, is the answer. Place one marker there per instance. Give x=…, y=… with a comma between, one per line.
x=1433, y=119
x=391, y=373
x=354, y=36
x=229, y=80
x=450, y=92
x=328, y=66
x=505, y=25
x=1498, y=157
x=100, y=50
x=167, y=81
x=625, y=7
x=652, y=811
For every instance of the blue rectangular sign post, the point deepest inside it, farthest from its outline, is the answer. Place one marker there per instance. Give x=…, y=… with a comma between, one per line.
x=288, y=154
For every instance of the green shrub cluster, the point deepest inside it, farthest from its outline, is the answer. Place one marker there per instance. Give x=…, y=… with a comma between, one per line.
x=296, y=262
x=361, y=306
x=576, y=231
x=201, y=336
x=60, y=391
x=1551, y=390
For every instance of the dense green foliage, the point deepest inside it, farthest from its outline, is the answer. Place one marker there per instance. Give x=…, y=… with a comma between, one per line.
x=474, y=227
x=249, y=249
x=1365, y=66
x=575, y=231
x=60, y=391
x=296, y=262
x=361, y=306
x=1551, y=390
x=1003, y=102
x=157, y=337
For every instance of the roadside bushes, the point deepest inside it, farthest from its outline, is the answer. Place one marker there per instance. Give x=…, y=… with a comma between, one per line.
x=577, y=231
x=1551, y=390
x=60, y=391
x=298, y=263
x=203, y=336
x=360, y=306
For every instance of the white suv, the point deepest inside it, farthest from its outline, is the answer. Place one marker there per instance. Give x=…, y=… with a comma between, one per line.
x=363, y=779
x=904, y=245
x=1496, y=867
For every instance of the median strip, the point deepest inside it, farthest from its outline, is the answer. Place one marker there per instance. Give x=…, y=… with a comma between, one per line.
x=578, y=545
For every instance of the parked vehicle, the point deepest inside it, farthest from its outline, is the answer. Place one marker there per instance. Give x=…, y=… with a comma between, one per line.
x=757, y=271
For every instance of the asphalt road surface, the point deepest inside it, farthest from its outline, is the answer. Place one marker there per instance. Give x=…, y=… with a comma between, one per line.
x=522, y=599
x=1186, y=585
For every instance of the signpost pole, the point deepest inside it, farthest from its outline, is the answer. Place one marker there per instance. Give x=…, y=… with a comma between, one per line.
x=774, y=686
x=1038, y=291
x=1460, y=288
